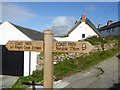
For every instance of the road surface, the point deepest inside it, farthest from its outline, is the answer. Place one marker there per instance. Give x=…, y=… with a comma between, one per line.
x=102, y=75
x=7, y=81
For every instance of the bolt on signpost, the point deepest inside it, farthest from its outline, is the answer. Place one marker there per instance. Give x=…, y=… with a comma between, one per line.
x=49, y=46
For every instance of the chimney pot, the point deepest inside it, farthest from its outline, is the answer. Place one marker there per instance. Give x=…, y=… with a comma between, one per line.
x=83, y=17
x=109, y=22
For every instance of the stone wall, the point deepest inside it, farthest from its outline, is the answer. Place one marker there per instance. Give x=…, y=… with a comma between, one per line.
x=58, y=57
x=105, y=47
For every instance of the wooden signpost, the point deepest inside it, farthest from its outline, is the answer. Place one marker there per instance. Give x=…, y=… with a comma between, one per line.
x=49, y=46
x=75, y=47
x=25, y=46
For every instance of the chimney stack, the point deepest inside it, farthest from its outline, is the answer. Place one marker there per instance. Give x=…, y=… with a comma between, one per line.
x=83, y=17
x=109, y=22
x=100, y=25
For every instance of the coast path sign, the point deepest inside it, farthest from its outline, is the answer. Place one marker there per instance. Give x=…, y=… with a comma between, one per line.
x=48, y=46
x=75, y=47
x=25, y=46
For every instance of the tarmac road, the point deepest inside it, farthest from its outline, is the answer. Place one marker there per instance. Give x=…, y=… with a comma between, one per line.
x=102, y=75
x=6, y=81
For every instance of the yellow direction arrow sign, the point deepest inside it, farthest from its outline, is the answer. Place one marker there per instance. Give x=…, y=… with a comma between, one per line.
x=25, y=46
x=76, y=47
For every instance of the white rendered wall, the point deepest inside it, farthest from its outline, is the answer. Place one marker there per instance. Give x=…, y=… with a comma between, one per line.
x=33, y=62
x=9, y=32
x=76, y=34
x=26, y=63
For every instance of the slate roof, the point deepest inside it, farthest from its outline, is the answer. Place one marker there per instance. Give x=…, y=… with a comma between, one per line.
x=32, y=34
x=87, y=21
x=113, y=25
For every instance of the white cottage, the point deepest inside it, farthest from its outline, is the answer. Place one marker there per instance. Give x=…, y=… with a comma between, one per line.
x=82, y=29
x=17, y=63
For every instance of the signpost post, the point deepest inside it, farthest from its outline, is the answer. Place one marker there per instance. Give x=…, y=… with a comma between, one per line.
x=49, y=46
x=48, y=60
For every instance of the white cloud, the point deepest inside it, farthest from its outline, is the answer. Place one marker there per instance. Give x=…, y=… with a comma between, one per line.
x=15, y=13
x=90, y=8
x=61, y=24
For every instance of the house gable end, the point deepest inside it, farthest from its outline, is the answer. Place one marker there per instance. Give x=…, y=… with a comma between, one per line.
x=9, y=32
x=75, y=26
x=87, y=21
x=80, y=30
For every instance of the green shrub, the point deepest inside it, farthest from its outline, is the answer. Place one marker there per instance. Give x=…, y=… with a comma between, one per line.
x=64, y=68
x=19, y=82
x=111, y=37
x=37, y=76
x=94, y=40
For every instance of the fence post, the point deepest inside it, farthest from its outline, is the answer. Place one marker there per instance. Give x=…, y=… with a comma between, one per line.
x=48, y=60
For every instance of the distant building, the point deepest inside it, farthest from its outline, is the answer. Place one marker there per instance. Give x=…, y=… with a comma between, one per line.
x=110, y=29
x=82, y=29
x=17, y=63
x=100, y=25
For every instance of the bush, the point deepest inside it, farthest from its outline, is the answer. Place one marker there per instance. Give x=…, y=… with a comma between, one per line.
x=94, y=40
x=37, y=76
x=65, y=68
x=19, y=82
x=111, y=37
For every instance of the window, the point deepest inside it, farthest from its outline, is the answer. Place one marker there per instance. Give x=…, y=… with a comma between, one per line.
x=83, y=35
